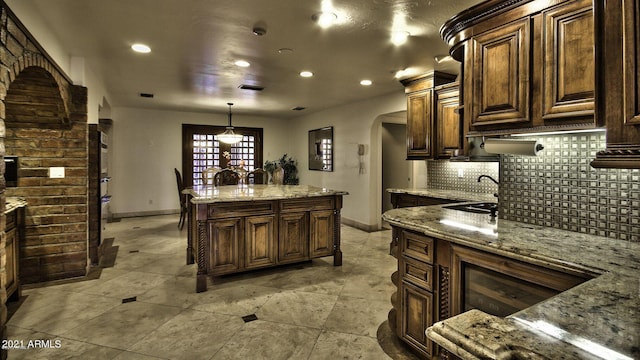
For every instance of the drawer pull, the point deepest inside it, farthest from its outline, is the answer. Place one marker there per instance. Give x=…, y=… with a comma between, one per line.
x=426, y=249
x=426, y=276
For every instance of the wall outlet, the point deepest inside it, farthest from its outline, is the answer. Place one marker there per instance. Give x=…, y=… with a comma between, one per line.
x=460, y=173
x=56, y=172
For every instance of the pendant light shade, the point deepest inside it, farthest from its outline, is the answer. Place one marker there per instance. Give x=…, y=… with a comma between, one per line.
x=228, y=136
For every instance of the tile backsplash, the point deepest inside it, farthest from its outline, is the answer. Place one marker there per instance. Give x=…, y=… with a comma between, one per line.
x=462, y=176
x=559, y=189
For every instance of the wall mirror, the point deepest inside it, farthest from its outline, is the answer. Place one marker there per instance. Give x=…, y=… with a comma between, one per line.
x=321, y=149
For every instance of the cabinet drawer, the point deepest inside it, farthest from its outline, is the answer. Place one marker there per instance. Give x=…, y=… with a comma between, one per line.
x=417, y=246
x=240, y=208
x=307, y=204
x=417, y=272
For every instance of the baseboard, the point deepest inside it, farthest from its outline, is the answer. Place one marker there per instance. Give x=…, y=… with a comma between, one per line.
x=359, y=225
x=145, y=213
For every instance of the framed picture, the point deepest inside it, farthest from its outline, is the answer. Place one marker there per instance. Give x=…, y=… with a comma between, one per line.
x=321, y=149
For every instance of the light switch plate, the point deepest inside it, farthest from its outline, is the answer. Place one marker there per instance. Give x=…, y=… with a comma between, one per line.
x=56, y=172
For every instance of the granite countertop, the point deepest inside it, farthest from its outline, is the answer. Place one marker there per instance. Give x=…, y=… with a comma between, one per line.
x=212, y=194
x=12, y=203
x=600, y=316
x=455, y=195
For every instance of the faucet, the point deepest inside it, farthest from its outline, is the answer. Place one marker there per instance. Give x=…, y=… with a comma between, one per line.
x=490, y=178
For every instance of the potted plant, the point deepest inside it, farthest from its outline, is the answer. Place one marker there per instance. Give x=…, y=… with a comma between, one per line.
x=290, y=167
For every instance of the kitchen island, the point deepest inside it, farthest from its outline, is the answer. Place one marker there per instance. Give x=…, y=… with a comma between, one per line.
x=238, y=228
x=597, y=319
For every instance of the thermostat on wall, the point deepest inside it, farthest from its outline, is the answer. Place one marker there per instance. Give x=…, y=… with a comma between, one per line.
x=56, y=172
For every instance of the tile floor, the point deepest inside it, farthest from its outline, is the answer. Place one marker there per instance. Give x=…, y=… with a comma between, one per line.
x=308, y=311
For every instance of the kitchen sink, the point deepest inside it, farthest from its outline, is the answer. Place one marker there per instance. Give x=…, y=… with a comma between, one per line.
x=478, y=208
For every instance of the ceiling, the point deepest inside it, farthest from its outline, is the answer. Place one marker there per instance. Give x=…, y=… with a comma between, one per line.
x=196, y=42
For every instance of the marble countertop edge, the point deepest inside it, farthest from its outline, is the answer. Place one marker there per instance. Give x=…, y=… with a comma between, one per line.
x=602, y=311
x=467, y=239
x=12, y=203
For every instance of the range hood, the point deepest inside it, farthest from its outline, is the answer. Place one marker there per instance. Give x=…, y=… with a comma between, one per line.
x=476, y=152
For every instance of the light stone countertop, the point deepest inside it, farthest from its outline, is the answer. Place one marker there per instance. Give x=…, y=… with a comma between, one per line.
x=600, y=316
x=12, y=203
x=212, y=194
x=454, y=195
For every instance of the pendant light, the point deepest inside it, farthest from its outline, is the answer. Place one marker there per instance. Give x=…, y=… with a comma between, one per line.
x=228, y=136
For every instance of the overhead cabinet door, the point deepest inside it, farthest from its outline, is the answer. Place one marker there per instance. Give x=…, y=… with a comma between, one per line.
x=500, y=75
x=569, y=70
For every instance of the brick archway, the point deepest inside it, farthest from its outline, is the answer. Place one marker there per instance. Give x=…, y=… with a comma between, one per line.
x=40, y=131
x=43, y=120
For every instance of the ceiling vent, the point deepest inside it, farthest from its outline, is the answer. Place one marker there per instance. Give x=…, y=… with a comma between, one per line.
x=251, y=87
x=298, y=108
x=146, y=95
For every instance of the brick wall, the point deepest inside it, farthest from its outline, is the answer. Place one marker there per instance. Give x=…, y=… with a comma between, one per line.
x=45, y=125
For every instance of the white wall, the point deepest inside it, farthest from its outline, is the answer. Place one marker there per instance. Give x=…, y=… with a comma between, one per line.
x=353, y=124
x=147, y=146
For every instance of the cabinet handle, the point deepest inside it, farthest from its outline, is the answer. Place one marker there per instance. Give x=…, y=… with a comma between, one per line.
x=426, y=249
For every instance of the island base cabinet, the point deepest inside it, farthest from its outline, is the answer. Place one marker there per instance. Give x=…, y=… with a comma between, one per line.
x=321, y=232
x=231, y=237
x=260, y=244
x=293, y=242
x=225, y=239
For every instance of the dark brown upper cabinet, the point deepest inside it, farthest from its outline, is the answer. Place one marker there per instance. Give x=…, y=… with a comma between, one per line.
x=421, y=114
x=448, y=123
x=500, y=75
x=618, y=94
x=527, y=65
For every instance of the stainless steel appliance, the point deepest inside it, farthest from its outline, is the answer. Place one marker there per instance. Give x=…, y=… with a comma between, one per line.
x=105, y=198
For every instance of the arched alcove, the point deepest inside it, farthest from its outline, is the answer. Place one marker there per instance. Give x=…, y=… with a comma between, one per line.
x=34, y=100
x=44, y=134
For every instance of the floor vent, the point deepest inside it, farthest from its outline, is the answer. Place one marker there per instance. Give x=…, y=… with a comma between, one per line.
x=251, y=87
x=248, y=318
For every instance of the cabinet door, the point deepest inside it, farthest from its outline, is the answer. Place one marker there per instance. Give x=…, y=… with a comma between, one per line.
x=406, y=200
x=321, y=233
x=225, y=236
x=11, y=267
x=448, y=123
x=500, y=75
x=416, y=316
x=260, y=244
x=419, y=124
x=569, y=71
x=631, y=55
x=618, y=92
x=294, y=238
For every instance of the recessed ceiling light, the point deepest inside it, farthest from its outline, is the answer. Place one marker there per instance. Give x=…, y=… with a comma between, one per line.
x=285, y=50
x=399, y=37
x=306, y=74
x=242, y=63
x=141, y=48
x=325, y=19
x=366, y=82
